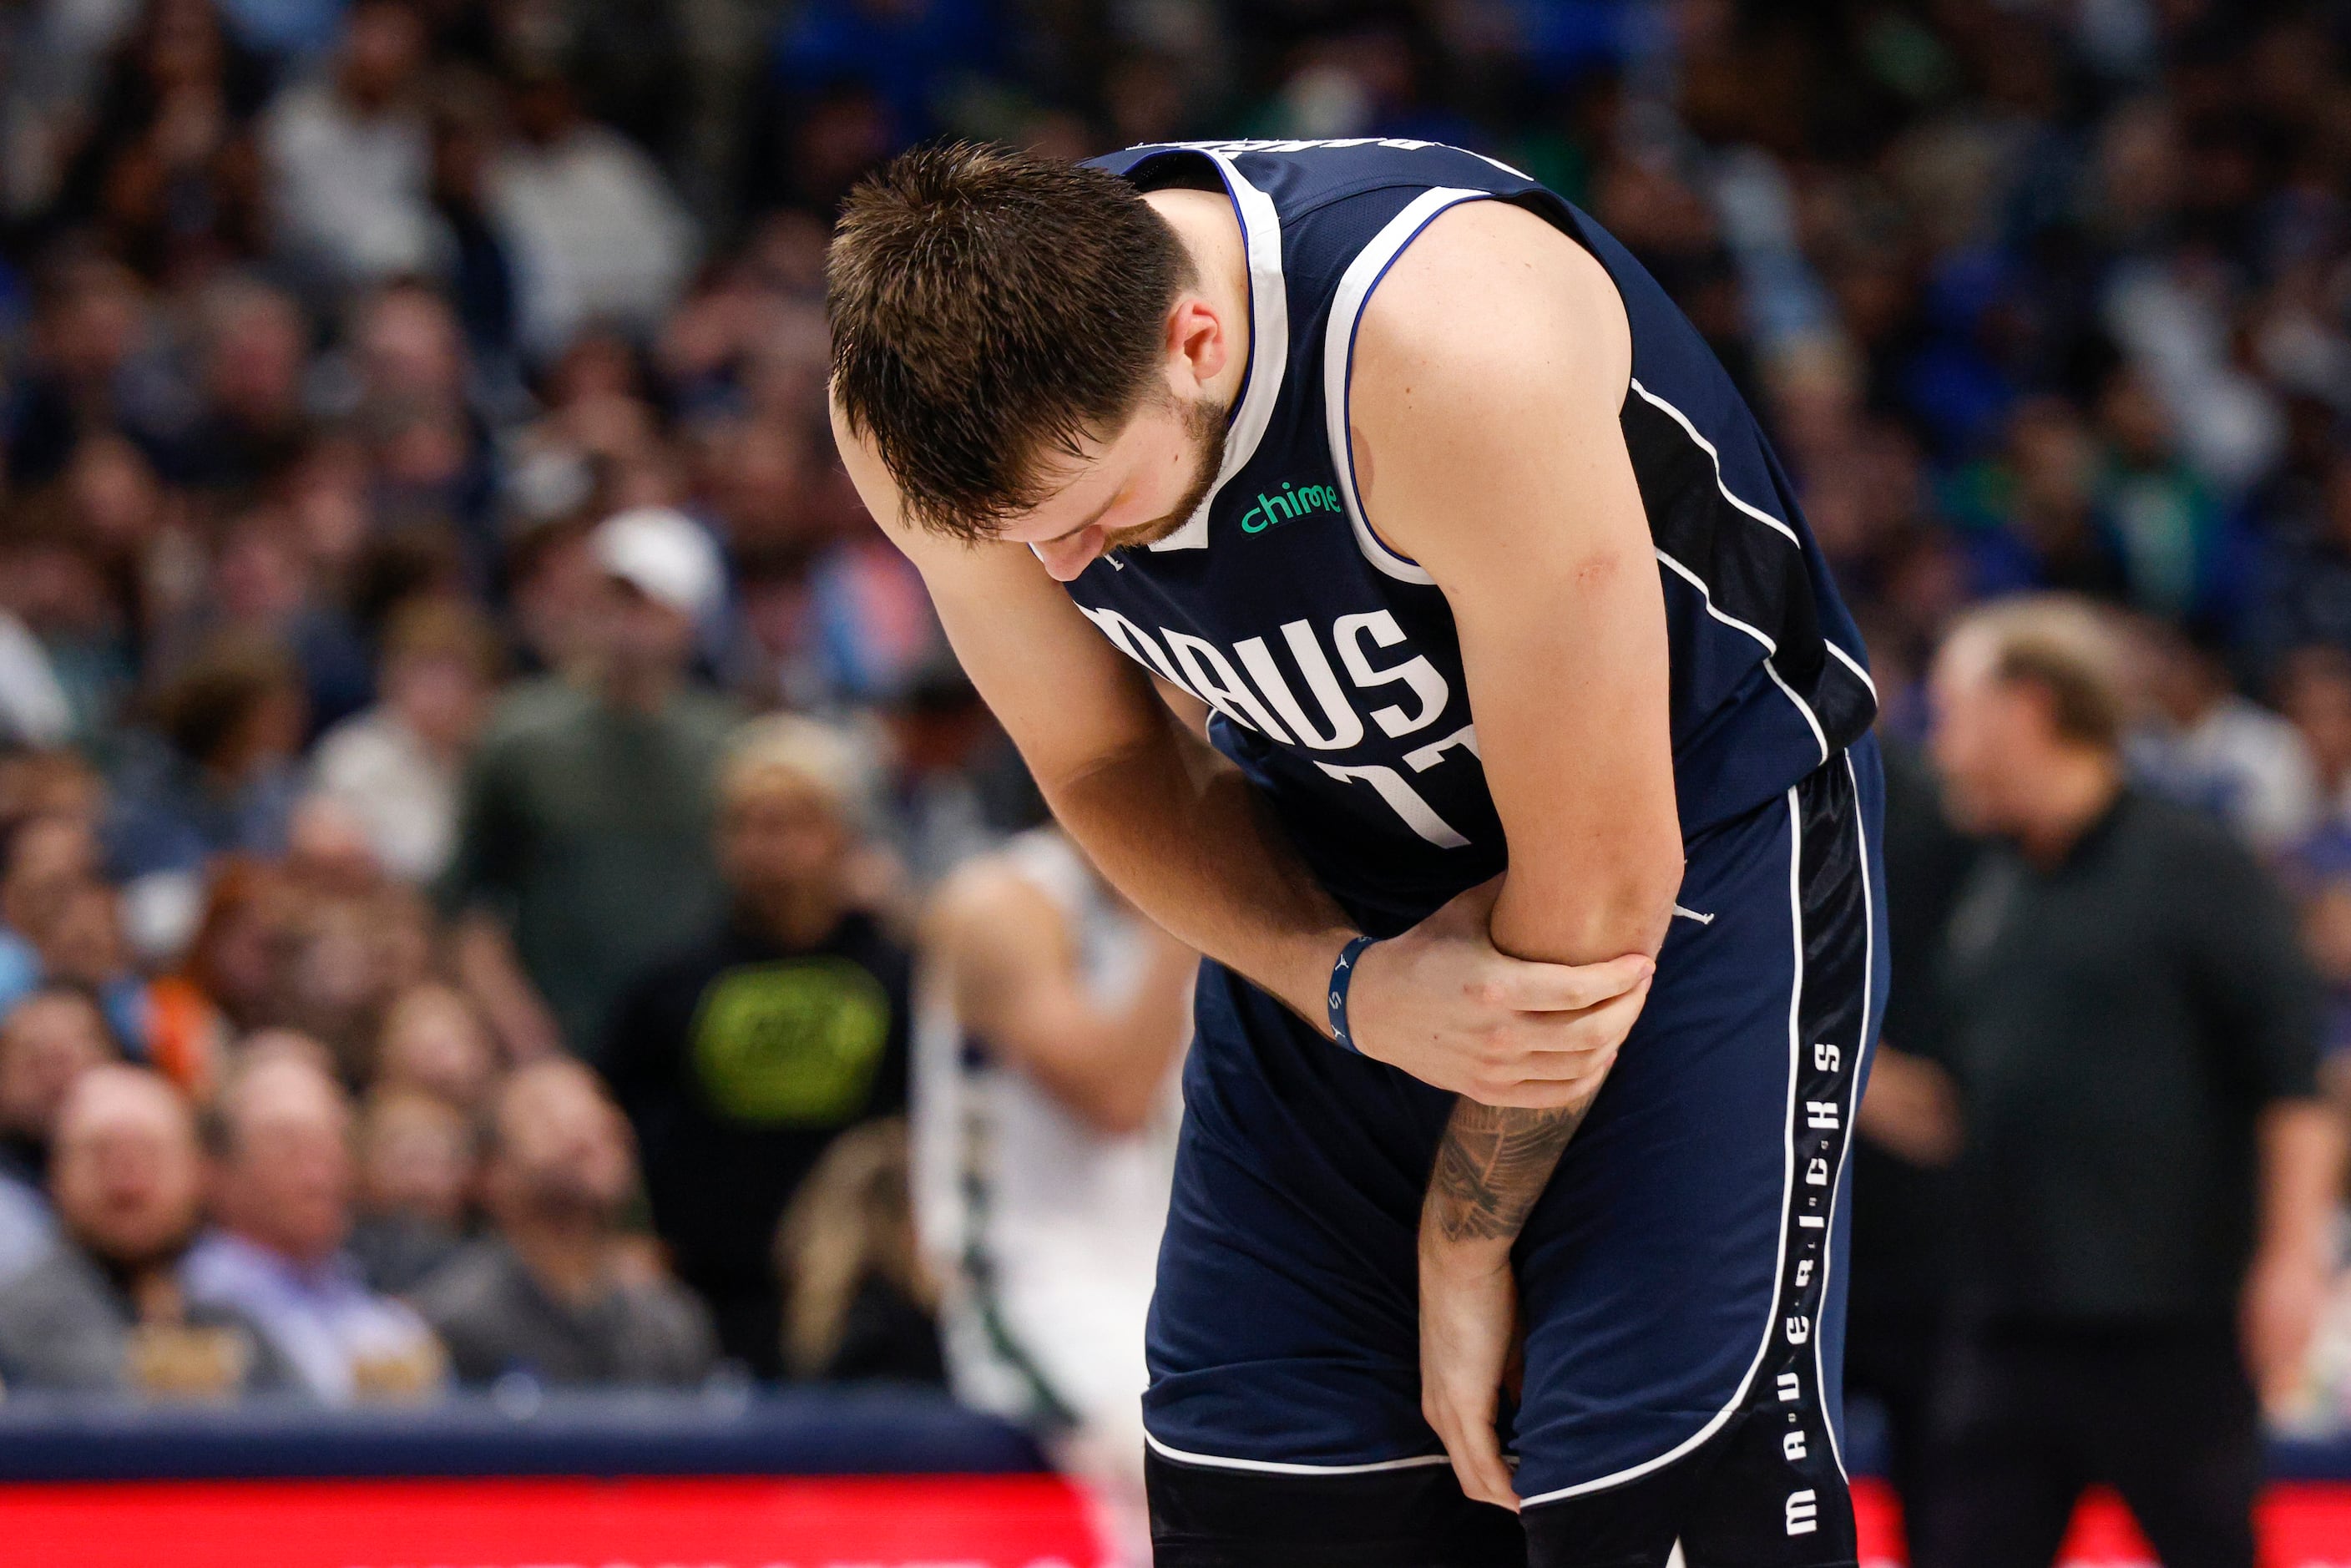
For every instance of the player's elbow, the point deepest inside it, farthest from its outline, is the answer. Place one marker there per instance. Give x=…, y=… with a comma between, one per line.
x=1635, y=904
x=1596, y=909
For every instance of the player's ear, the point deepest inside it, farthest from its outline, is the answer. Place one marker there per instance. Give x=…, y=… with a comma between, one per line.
x=1198, y=347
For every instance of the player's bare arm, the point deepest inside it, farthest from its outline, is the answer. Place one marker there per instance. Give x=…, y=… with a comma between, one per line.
x=1008, y=957
x=1490, y=453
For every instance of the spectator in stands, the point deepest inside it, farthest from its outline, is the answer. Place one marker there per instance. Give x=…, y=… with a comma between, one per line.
x=254, y=346
x=2314, y=692
x=222, y=780
x=349, y=156
x=858, y=1302
x=741, y=1060
x=167, y=172
x=556, y=1292
x=49, y=1040
x=50, y=857
x=585, y=830
x=2305, y=593
x=416, y=1158
x=432, y=1042
x=108, y=1309
x=1045, y=1112
x=84, y=949
x=2147, y=1187
x=2212, y=747
x=396, y=767
x=599, y=237
x=279, y=1136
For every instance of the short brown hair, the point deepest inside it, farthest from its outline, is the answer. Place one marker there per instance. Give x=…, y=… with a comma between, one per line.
x=2068, y=649
x=436, y=626
x=988, y=306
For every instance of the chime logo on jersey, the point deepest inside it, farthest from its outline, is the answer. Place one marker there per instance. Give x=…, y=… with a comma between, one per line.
x=1293, y=502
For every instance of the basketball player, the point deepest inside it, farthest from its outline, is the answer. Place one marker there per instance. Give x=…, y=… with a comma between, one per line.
x=1048, y=1023
x=1523, y=664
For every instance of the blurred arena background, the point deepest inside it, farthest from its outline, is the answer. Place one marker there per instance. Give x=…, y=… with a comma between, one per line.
x=495, y=856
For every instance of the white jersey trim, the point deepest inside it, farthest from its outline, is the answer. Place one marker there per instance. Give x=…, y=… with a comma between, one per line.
x=1852, y=1106
x=1268, y=1467
x=1706, y=596
x=1356, y=285
x=1850, y=663
x=1714, y=458
x=1787, y=1189
x=1269, y=342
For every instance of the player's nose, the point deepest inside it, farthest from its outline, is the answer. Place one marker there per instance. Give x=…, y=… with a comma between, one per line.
x=1065, y=559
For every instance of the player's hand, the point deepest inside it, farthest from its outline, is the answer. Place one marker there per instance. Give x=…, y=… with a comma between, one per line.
x=1443, y=1003
x=1468, y=1324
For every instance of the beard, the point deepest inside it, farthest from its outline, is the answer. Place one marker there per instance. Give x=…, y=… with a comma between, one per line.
x=1205, y=421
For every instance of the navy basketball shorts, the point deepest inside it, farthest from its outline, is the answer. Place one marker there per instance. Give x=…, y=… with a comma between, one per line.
x=1681, y=1279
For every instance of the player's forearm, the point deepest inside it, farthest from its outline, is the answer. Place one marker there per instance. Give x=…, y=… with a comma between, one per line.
x=1492, y=1163
x=1175, y=826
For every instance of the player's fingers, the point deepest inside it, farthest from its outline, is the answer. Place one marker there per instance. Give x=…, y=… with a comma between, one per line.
x=1533, y=988
x=1595, y=1028
x=1548, y=1093
x=1476, y=1455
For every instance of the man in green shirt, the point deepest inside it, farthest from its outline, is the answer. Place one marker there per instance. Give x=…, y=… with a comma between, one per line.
x=584, y=836
x=2148, y=1177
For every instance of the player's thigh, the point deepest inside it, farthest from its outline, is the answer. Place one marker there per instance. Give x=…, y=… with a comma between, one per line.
x=1278, y=1338
x=1409, y=1517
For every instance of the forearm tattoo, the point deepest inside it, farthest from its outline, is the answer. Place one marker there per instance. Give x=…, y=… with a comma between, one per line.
x=1492, y=1165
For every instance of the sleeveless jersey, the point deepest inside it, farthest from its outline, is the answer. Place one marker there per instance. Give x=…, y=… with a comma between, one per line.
x=1045, y=1230
x=1330, y=664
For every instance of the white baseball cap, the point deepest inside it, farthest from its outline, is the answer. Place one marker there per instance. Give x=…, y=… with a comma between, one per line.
x=663, y=554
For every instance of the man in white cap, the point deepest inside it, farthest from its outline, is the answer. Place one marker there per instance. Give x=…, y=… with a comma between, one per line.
x=584, y=837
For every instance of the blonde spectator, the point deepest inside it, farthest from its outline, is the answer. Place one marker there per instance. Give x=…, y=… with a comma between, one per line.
x=858, y=1301
x=741, y=1059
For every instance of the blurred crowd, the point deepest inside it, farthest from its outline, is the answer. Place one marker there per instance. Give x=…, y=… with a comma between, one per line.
x=475, y=783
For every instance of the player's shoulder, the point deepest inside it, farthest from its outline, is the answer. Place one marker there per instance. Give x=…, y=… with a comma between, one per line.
x=1491, y=289
x=986, y=899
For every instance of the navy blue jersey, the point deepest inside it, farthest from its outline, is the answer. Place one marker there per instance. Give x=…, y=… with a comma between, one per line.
x=1331, y=663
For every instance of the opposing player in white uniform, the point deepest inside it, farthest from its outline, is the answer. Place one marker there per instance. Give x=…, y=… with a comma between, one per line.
x=1051, y=1019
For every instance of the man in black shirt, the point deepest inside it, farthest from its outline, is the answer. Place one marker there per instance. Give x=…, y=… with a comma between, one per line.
x=2149, y=1176
x=740, y=1060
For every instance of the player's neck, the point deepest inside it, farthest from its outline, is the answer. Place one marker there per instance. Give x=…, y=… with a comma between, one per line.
x=1205, y=223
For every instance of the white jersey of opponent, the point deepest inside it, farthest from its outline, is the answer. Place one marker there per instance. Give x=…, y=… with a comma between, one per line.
x=1043, y=1232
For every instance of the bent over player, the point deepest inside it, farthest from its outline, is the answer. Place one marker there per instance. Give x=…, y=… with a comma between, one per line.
x=1519, y=659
